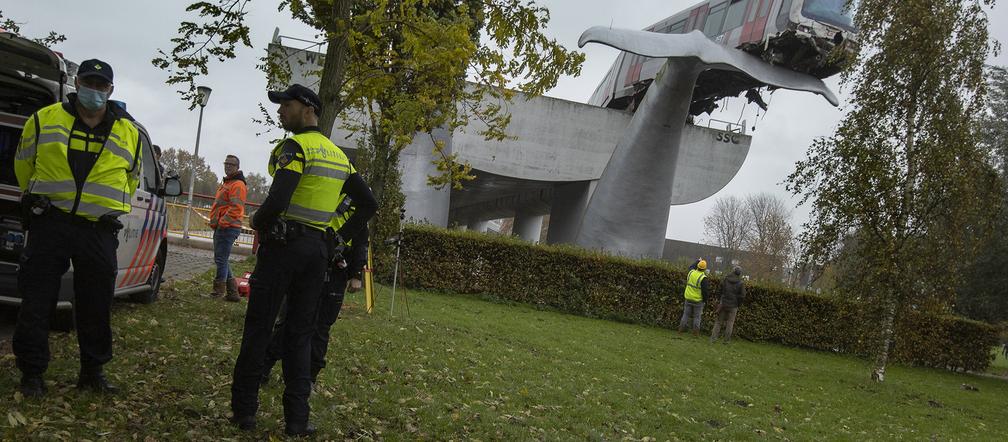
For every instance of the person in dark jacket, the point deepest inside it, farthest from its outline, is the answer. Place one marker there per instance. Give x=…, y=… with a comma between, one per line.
x=732, y=295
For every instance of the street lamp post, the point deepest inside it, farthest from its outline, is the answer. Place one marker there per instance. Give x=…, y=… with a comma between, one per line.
x=204, y=97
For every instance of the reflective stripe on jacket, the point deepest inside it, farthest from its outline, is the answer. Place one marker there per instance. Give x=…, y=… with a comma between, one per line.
x=229, y=203
x=42, y=167
x=693, y=291
x=344, y=211
x=319, y=191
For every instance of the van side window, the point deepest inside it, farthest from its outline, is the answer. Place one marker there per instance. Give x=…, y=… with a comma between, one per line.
x=151, y=178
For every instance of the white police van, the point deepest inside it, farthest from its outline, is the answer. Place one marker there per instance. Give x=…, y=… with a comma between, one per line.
x=31, y=77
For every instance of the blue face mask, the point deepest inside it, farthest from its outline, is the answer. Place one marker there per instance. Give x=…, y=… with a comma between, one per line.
x=91, y=99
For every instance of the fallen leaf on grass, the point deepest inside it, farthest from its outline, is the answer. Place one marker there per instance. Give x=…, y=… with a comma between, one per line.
x=12, y=417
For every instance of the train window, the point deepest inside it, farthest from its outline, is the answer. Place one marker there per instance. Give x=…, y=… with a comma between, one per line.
x=736, y=14
x=714, y=21
x=677, y=28
x=835, y=12
x=765, y=8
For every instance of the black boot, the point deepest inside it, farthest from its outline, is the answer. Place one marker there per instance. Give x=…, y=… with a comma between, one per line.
x=244, y=423
x=96, y=382
x=300, y=430
x=32, y=386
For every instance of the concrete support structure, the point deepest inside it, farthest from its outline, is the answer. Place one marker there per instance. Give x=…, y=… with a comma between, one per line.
x=569, y=202
x=528, y=226
x=479, y=225
x=628, y=211
x=424, y=203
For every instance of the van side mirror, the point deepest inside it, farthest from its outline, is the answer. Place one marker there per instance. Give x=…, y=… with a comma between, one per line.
x=172, y=185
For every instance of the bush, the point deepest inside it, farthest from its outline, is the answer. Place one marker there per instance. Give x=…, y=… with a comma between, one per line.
x=649, y=292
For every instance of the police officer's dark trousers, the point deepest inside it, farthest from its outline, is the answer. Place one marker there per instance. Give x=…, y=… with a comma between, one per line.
x=295, y=269
x=53, y=243
x=329, y=309
x=330, y=304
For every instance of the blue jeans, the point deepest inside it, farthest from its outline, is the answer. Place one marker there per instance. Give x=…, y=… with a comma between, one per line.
x=223, y=240
x=691, y=313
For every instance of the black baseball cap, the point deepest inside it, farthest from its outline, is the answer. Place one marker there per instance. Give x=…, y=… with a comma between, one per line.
x=300, y=93
x=95, y=67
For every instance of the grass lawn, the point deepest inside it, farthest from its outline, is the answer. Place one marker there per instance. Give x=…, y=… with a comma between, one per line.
x=462, y=368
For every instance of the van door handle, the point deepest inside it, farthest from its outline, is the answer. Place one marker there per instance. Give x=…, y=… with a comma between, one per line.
x=142, y=199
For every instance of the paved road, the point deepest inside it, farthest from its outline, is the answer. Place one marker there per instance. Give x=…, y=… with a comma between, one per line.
x=183, y=263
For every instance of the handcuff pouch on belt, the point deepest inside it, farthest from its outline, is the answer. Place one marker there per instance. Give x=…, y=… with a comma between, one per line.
x=33, y=205
x=277, y=232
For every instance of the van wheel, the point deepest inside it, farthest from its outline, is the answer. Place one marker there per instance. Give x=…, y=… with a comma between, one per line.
x=63, y=320
x=154, y=280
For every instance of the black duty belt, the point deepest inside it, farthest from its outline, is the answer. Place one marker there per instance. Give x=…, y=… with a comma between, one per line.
x=297, y=229
x=59, y=215
x=107, y=222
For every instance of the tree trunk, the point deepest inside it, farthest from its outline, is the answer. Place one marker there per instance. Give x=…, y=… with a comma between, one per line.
x=898, y=241
x=886, y=338
x=334, y=69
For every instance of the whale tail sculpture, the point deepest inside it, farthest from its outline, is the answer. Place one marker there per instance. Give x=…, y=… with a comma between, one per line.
x=628, y=212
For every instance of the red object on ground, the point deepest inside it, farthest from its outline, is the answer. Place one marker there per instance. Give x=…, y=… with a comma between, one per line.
x=243, y=285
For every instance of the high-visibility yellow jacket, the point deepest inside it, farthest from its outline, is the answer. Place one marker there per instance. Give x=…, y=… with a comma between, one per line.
x=42, y=167
x=693, y=285
x=323, y=168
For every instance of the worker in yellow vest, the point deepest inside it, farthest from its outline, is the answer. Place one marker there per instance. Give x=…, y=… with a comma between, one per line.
x=78, y=166
x=695, y=296
x=309, y=175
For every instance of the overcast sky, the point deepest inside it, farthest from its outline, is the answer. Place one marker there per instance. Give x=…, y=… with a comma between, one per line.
x=127, y=34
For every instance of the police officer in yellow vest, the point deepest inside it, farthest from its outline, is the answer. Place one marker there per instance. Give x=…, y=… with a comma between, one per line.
x=343, y=274
x=695, y=296
x=309, y=175
x=78, y=166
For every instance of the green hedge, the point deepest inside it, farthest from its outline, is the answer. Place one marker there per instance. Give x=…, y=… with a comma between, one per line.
x=650, y=292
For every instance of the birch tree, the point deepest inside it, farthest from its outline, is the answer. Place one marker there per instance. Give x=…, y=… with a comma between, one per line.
x=904, y=169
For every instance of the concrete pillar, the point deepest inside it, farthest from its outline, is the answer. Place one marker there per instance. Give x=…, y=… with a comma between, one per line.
x=629, y=210
x=424, y=203
x=566, y=210
x=479, y=226
x=528, y=226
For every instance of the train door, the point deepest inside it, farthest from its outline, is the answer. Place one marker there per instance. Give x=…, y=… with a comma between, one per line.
x=756, y=21
x=697, y=18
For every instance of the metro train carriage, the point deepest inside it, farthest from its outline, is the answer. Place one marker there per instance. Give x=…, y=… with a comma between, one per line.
x=796, y=34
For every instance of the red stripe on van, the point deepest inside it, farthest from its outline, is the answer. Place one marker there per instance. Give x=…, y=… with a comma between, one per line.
x=153, y=247
x=147, y=246
x=136, y=253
